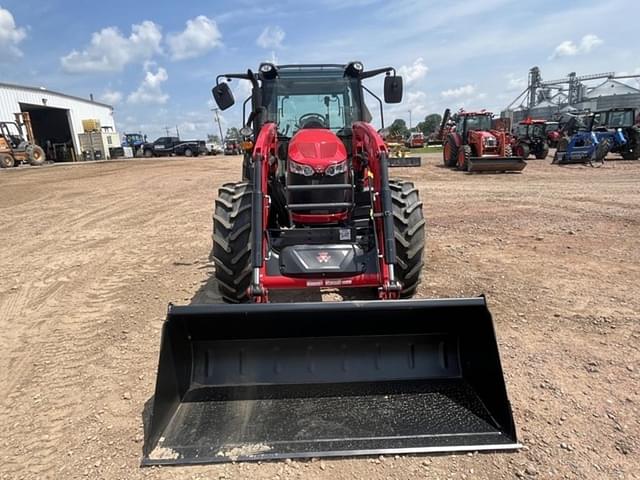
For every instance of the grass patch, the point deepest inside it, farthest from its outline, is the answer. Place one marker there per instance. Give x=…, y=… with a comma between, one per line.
x=433, y=149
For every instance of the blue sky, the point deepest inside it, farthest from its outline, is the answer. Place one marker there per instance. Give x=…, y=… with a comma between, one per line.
x=156, y=62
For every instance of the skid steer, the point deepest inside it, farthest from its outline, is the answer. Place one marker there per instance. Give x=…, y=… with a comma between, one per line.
x=254, y=380
x=472, y=145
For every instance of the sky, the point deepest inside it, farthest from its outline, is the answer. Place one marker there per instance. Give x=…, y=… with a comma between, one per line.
x=156, y=62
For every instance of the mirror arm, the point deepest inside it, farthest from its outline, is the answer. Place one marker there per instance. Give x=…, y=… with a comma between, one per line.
x=379, y=103
x=377, y=71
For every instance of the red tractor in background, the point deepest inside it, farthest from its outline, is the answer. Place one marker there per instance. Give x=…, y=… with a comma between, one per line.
x=530, y=138
x=473, y=145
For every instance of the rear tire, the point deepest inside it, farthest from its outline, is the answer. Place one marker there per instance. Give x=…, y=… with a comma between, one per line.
x=148, y=153
x=232, y=242
x=188, y=152
x=409, y=229
x=6, y=160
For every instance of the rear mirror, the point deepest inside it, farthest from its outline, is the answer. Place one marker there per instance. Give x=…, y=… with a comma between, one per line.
x=223, y=96
x=393, y=89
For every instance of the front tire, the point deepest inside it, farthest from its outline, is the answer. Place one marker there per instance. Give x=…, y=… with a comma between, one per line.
x=232, y=242
x=543, y=152
x=409, y=230
x=522, y=150
x=450, y=152
x=188, y=152
x=464, y=157
x=35, y=155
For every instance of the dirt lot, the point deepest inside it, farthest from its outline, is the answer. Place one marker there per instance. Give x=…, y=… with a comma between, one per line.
x=93, y=253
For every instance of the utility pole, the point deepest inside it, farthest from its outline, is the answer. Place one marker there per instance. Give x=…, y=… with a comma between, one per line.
x=177, y=132
x=166, y=129
x=215, y=111
x=410, y=126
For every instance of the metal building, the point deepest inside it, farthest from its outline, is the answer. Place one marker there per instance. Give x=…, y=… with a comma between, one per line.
x=56, y=117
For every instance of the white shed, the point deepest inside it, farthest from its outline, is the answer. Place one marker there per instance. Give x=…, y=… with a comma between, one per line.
x=56, y=117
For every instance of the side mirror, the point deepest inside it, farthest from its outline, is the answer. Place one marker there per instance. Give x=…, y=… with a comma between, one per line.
x=246, y=131
x=392, y=89
x=223, y=96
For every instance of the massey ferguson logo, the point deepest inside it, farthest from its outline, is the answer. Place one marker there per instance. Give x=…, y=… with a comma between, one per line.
x=323, y=257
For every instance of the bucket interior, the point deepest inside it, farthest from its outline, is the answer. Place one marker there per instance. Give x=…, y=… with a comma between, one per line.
x=251, y=382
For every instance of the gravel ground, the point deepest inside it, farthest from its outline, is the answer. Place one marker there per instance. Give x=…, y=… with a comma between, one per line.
x=94, y=252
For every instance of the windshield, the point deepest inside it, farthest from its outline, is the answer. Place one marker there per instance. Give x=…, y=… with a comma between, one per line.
x=479, y=122
x=620, y=119
x=295, y=101
x=537, y=130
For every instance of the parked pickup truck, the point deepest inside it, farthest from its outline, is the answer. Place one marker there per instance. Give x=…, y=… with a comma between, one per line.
x=167, y=146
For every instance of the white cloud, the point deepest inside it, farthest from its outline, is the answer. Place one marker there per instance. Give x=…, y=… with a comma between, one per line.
x=10, y=36
x=200, y=36
x=417, y=103
x=150, y=90
x=110, y=51
x=464, y=91
x=516, y=83
x=569, y=48
x=271, y=37
x=415, y=72
x=111, y=97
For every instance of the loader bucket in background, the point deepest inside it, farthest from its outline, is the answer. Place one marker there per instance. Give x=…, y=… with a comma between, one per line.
x=496, y=164
x=404, y=161
x=265, y=381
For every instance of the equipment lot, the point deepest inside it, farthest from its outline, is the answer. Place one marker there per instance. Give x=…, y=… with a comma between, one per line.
x=94, y=252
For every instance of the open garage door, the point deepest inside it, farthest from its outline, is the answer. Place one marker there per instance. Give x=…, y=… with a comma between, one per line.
x=52, y=131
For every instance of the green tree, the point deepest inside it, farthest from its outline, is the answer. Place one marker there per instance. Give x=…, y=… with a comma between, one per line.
x=430, y=124
x=232, y=132
x=398, y=128
x=212, y=138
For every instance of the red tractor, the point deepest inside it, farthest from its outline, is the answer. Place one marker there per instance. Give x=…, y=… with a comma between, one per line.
x=530, y=138
x=316, y=209
x=471, y=144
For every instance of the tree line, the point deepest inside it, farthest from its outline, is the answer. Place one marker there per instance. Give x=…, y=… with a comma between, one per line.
x=429, y=125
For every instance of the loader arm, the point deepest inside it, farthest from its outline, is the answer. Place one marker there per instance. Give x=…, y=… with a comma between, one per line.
x=373, y=156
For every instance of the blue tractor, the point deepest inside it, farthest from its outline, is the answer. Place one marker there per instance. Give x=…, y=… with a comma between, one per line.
x=135, y=141
x=590, y=146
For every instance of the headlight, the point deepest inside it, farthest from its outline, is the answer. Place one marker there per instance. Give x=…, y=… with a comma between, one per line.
x=305, y=170
x=336, y=168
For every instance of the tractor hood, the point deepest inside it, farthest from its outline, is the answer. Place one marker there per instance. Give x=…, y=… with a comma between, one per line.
x=317, y=148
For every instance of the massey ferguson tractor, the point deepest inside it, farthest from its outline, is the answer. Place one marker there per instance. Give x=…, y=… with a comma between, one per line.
x=316, y=209
x=472, y=145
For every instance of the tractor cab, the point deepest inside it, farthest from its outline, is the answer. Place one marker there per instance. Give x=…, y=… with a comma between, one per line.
x=612, y=119
x=312, y=110
x=12, y=134
x=473, y=121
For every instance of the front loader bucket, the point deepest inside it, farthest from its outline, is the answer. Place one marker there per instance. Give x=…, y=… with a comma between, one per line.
x=266, y=381
x=496, y=164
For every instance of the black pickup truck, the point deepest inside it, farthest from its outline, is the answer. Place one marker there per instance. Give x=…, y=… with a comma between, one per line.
x=167, y=146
